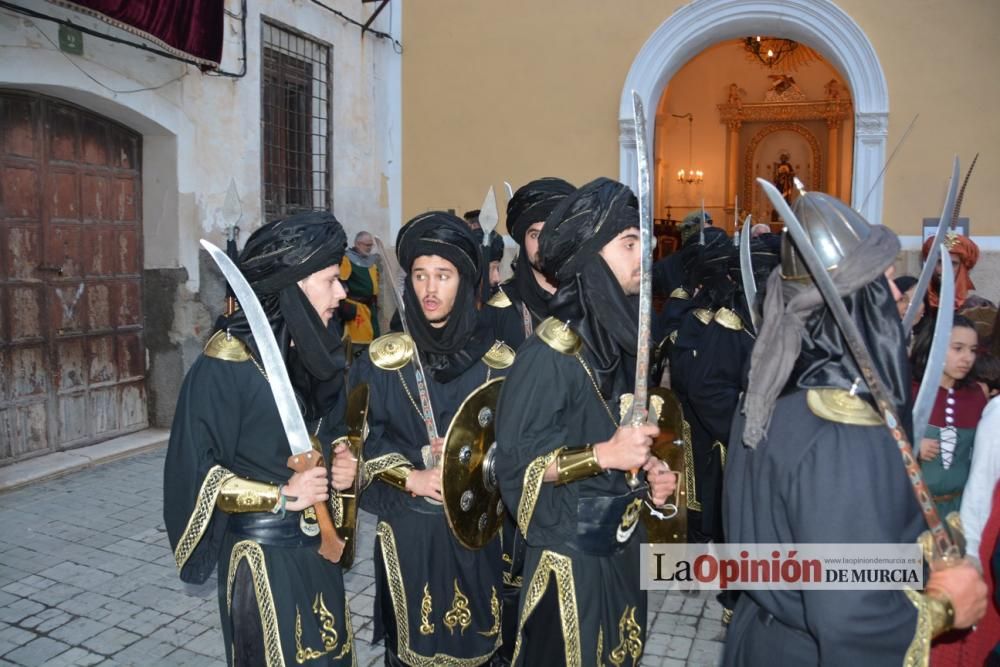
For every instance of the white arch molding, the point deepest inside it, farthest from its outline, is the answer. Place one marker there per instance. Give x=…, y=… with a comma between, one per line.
x=820, y=24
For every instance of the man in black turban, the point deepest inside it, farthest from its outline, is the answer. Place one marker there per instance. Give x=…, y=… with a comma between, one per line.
x=421, y=569
x=522, y=302
x=811, y=460
x=229, y=501
x=578, y=515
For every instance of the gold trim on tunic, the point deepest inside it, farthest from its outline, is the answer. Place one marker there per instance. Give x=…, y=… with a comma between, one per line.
x=227, y=348
x=397, y=591
x=559, y=336
x=533, y=477
x=201, y=515
x=689, y=477
x=392, y=351
x=459, y=614
x=495, y=611
x=254, y=555
x=562, y=568
x=380, y=464
x=838, y=405
x=426, y=609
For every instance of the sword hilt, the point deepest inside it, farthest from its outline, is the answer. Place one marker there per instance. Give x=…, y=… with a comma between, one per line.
x=331, y=545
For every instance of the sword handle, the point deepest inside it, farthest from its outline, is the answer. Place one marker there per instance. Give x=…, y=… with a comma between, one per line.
x=331, y=545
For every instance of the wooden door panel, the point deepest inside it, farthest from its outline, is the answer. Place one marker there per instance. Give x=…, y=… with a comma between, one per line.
x=72, y=360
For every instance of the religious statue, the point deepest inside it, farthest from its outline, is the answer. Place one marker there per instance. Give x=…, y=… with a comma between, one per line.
x=784, y=180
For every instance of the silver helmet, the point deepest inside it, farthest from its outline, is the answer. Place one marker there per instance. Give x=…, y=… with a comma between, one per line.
x=834, y=229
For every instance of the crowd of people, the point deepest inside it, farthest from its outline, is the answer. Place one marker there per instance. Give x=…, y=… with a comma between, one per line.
x=784, y=440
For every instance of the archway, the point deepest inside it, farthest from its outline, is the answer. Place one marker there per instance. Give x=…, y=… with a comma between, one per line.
x=818, y=23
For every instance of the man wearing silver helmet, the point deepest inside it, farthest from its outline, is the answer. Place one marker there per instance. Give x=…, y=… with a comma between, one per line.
x=817, y=465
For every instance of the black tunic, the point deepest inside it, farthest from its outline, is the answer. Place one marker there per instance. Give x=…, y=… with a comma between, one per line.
x=811, y=480
x=511, y=321
x=227, y=423
x=549, y=402
x=436, y=601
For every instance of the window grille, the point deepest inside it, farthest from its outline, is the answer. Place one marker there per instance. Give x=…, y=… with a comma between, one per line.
x=295, y=122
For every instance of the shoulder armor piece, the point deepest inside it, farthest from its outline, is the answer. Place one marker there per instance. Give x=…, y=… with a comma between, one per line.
x=704, y=315
x=499, y=356
x=559, y=336
x=392, y=351
x=729, y=319
x=228, y=348
x=838, y=405
x=680, y=293
x=500, y=300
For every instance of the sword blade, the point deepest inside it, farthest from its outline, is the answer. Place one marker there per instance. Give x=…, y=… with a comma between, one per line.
x=270, y=355
x=488, y=216
x=426, y=408
x=641, y=394
x=924, y=403
x=861, y=355
x=910, y=317
x=746, y=273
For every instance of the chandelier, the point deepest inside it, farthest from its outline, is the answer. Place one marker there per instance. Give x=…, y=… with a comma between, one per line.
x=689, y=175
x=769, y=50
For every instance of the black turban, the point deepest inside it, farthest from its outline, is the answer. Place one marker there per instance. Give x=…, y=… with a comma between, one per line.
x=496, y=247
x=442, y=234
x=533, y=203
x=275, y=258
x=583, y=223
x=589, y=296
x=465, y=338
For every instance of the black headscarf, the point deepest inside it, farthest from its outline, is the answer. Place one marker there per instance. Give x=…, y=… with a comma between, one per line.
x=532, y=203
x=589, y=297
x=465, y=338
x=274, y=259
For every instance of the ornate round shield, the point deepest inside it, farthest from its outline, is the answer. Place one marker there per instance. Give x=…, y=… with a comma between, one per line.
x=471, y=494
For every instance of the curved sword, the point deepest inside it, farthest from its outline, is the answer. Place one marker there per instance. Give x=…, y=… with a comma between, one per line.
x=909, y=319
x=852, y=336
x=924, y=403
x=746, y=273
x=638, y=413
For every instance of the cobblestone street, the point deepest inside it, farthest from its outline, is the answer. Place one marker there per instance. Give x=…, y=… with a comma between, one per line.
x=87, y=578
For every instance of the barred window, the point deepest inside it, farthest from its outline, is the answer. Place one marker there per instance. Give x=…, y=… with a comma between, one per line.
x=295, y=122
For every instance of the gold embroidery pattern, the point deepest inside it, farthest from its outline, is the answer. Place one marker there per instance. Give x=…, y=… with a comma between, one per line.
x=426, y=627
x=380, y=464
x=600, y=643
x=508, y=580
x=693, y=502
x=459, y=613
x=390, y=557
x=562, y=568
x=495, y=610
x=533, y=475
x=630, y=515
x=919, y=652
x=327, y=632
x=254, y=556
x=629, y=631
x=201, y=514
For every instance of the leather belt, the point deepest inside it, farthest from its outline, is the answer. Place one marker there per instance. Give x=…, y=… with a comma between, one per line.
x=271, y=529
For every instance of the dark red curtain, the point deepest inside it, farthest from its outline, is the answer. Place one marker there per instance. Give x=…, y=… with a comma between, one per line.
x=191, y=26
